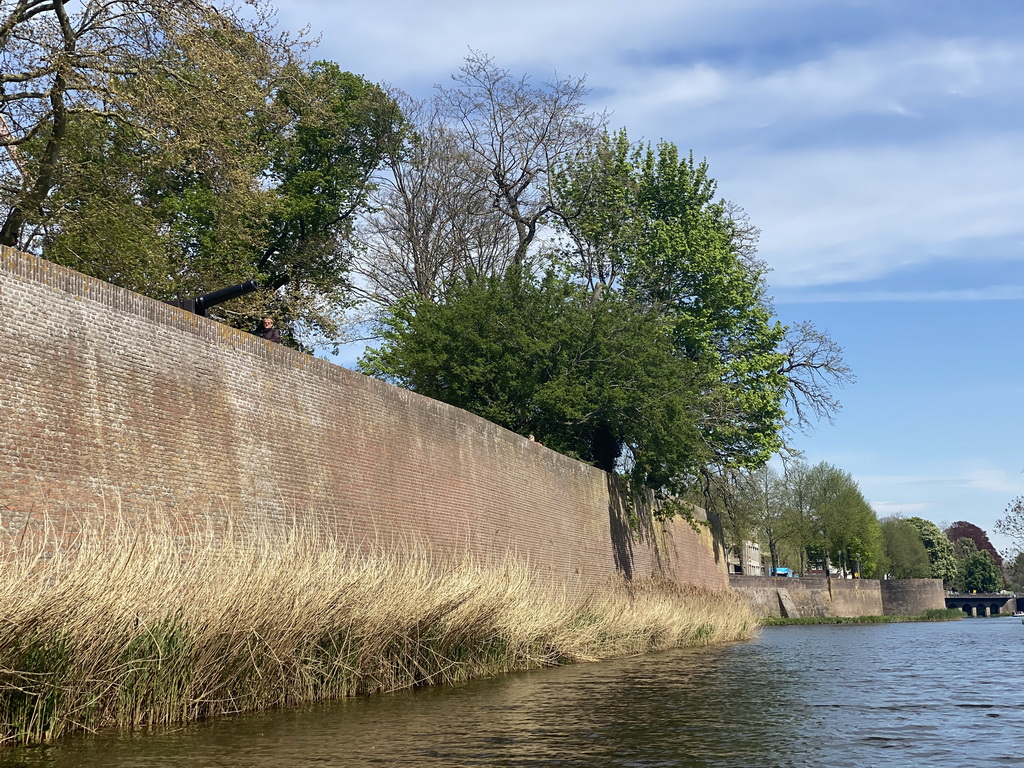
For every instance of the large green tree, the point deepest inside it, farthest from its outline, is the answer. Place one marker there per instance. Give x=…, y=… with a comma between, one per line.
x=845, y=530
x=939, y=548
x=905, y=556
x=182, y=147
x=591, y=375
x=976, y=570
x=645, y=222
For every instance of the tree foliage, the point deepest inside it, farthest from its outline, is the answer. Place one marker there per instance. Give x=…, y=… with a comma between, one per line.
x=644, y=221
x=752, y=505
x=905, y=556
x=591, y=376
x=939, y=548
x=976, y=570
x=844, y=529
x=810, y=514
x=961, y=529
x=174, y=148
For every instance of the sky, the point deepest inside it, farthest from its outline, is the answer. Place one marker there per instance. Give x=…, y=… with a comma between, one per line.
x=878, y=145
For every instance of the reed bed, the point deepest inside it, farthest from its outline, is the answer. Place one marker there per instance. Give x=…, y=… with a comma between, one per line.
x=140, y=625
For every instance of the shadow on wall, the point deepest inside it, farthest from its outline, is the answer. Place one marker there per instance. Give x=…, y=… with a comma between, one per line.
x=717, y=535
x=630, y=518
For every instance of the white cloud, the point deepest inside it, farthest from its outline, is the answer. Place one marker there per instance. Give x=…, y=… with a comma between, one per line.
x=907, y=509
x=850, y=214
x=996, y=481
x=406, y=40
x=989, y=293
x=902, y=77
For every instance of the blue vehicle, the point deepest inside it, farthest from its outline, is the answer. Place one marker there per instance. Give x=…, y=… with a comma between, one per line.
x=787, y=572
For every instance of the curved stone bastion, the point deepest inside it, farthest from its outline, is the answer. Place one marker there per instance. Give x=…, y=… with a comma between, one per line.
x=114, y=400
x=816, y=596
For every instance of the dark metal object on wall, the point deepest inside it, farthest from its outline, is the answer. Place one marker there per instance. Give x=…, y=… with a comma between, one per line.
x=200, y=304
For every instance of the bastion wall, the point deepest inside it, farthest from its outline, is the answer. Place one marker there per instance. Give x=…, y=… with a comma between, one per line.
x=110, y=400
x=910, y=597
x=809, y=596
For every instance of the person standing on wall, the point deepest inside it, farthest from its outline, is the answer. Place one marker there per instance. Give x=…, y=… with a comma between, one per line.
x=266, y=330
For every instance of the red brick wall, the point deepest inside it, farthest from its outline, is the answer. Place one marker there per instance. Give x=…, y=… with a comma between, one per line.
x=109, y=398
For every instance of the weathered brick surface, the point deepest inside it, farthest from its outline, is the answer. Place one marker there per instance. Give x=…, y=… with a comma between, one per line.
x=910, y=597
x=813, y=596
x=112, y=399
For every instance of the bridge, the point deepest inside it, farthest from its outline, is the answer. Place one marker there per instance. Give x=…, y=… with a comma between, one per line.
x=984, y=603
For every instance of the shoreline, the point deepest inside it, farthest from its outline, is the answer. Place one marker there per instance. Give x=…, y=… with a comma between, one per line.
x=133, y=626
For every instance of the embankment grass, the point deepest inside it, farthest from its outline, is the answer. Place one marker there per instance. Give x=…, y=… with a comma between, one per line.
x=934, y=614
x=141, y=625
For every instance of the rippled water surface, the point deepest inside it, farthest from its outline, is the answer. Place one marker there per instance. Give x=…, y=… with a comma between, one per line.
x=949, y=694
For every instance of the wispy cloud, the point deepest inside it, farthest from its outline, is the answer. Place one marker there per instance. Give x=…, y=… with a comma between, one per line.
x=990, y=293
x=995, y=480
x=906, y=77
x=885, y=508
x=408, y=42
x=854, y=214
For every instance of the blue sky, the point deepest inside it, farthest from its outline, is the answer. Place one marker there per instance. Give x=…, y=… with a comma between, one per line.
x=879, y=146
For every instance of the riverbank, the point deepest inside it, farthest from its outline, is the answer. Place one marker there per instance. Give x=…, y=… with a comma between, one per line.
x=155, y=623
x=938, y=614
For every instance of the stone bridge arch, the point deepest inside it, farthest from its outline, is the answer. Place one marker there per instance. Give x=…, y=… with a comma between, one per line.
x=982, y=604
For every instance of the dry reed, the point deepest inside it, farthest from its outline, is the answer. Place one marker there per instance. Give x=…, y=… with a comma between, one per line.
x=136, y=625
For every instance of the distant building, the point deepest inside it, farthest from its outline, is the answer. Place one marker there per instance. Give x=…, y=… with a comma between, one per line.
x=747, y=561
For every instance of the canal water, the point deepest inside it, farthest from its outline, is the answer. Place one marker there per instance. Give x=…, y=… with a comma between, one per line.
x=918, y=695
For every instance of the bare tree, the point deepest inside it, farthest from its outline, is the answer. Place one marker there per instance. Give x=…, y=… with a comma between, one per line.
x=813, y=366
x=424, y=230
x=513, y=134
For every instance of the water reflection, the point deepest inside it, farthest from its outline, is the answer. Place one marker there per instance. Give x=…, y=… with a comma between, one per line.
x=879, y=695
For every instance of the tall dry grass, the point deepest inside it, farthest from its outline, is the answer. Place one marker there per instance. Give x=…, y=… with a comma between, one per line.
x=136, y=625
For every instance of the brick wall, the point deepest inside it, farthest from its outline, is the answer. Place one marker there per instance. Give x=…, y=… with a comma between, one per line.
x=810, y=596
x=910, y=597
x=112, y=399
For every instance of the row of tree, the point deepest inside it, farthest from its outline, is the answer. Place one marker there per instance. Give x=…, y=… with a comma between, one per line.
x=807, y=517
x=815, y=518
x=962, y=555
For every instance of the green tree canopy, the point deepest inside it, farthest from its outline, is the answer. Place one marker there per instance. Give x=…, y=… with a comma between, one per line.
x=976, y=570
x=591, y=376
x=644, y=221
x=189, y=148
x=905, y=556
x=939, y=548
x=844, y=528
